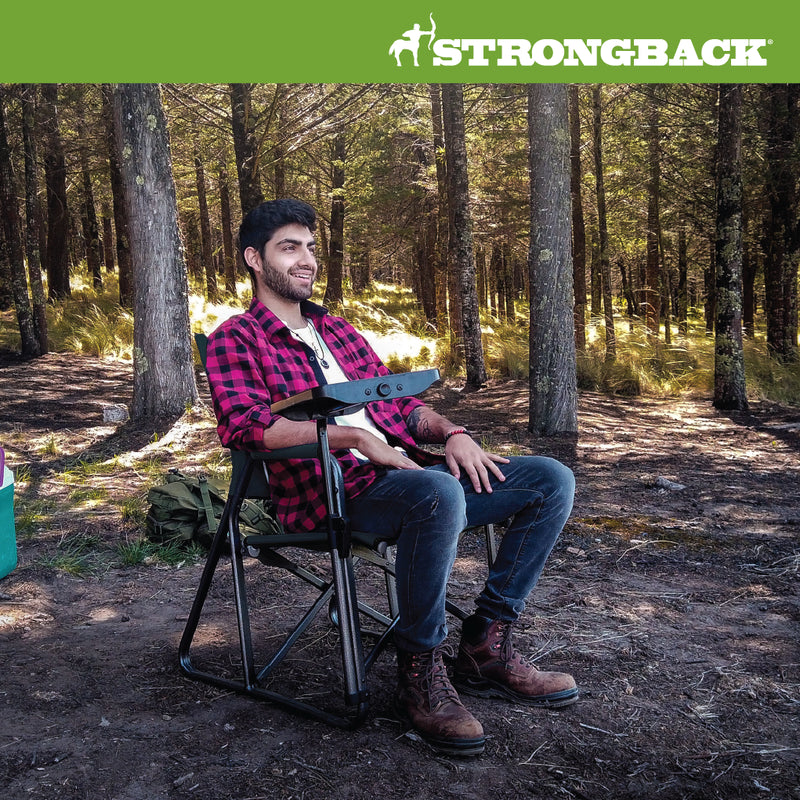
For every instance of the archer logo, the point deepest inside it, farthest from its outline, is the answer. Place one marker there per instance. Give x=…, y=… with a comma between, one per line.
x=410, y=42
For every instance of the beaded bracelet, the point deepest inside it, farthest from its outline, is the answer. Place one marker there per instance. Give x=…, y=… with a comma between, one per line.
x=455, y=432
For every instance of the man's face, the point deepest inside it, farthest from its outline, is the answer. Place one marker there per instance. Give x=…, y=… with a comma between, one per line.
x=288, y=264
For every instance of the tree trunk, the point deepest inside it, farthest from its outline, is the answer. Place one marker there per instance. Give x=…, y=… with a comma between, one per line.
x=553, y=382
x=333, y=288
x=596, y=277
x=709, y=286
x=33, y=217
x=228, y=250
x=511, y=286
x=206, y=248
x=163, y=379
x=108, y=238
x=626, y=276
x=463, y=255
x=602, y=225
x=442, y=215
x=683, y=278
x=782, y=228
x=578, y=225
x=360, y=265
x=499, y=276
x=426, y=238
x=91, y=230
x=480, y=272
x=12, y=225
x=278, y=154
x=651, y=293
x=749, y=271
x=245, y=146
x=729, y=380
x=426, y=257
x=55, y=170
x=117, y=194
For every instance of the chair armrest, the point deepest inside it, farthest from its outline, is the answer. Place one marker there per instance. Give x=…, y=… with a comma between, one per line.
x=337, y=399
x=282, y=453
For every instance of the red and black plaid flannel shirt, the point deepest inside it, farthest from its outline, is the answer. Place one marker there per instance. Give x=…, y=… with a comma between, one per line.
x=254, y=361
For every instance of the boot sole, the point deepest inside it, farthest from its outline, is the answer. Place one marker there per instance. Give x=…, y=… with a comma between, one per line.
x=449, y=747
x=489, y=689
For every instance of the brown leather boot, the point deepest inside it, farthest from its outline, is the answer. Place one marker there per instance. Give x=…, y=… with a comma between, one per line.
x=488, y=665
x=426, y=698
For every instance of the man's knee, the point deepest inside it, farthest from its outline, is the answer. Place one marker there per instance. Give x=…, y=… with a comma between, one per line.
x=446, y=497
x=550, y=476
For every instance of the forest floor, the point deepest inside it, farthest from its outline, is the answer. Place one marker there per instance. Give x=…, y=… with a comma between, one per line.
x=676, y=609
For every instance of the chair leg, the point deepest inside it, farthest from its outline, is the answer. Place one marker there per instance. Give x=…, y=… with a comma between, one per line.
x=349, y=631
x=206, y=579
x=341, y=588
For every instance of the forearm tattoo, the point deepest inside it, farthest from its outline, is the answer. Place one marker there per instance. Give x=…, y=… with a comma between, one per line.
x=419, y=427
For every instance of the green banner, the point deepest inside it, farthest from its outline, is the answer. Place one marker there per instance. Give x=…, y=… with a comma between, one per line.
x=438, y=41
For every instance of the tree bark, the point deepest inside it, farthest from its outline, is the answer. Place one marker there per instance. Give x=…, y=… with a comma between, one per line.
x=245, y=146
x=782, y=228
x=442, y=215
x=578, y=224
x=602, y=225
x=553, y=382
x=33, y=216
x=108, y=238
x=463, y=254
x=12, y=225
x=91, y=229
x=206, y=249
x=729, y=379
x=333, y=289
x=652, y=293
x=683, y=278
x=117, y=195
x=55, y=170
x=278, y=154
x=164, y=380
x=228, y=250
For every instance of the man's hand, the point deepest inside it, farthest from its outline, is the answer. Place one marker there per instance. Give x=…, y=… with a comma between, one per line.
x=378, y=452
x=463, y=452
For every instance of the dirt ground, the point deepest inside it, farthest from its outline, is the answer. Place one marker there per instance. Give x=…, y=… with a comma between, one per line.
x=675, y=608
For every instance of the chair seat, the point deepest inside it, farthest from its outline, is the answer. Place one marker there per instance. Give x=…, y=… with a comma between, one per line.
x=311, y=540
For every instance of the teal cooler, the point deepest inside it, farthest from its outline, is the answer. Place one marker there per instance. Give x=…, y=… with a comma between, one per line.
x=8, y=538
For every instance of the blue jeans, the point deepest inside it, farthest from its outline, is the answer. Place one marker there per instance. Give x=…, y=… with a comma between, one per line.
x=426, y=510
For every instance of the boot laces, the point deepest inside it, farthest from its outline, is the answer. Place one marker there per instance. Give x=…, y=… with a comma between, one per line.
x=507, y=652
x=430, y=671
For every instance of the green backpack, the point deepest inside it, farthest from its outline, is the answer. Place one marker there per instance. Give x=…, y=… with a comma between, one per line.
x=187, y=509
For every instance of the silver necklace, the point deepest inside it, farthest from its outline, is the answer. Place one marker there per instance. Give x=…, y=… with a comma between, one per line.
x=314, y=342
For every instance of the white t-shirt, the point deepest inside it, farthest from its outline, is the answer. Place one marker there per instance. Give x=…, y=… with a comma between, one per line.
x=333, y=374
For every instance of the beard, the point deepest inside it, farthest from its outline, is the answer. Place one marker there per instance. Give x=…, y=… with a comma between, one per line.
x=280, y=283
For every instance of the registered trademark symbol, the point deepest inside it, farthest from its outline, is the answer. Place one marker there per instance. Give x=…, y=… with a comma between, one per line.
x=770, y=41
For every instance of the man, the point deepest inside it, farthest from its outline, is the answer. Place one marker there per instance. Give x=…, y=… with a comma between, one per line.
x=282, y=345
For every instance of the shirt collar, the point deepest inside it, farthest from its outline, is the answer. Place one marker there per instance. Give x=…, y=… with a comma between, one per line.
x=272, y=324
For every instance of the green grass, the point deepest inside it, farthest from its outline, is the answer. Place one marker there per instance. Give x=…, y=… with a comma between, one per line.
x=76, y=555
x=140, y=551
x=31, y=516
x=392, y=320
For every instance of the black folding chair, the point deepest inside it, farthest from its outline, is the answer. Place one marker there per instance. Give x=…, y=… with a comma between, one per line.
x=336, y=592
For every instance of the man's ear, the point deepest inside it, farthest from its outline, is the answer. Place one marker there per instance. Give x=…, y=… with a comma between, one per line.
x=252, y=258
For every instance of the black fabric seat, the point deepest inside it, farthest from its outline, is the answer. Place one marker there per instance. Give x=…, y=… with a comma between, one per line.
x=332, y=576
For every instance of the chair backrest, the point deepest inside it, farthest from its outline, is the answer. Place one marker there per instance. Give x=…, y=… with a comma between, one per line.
x=201, y=340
